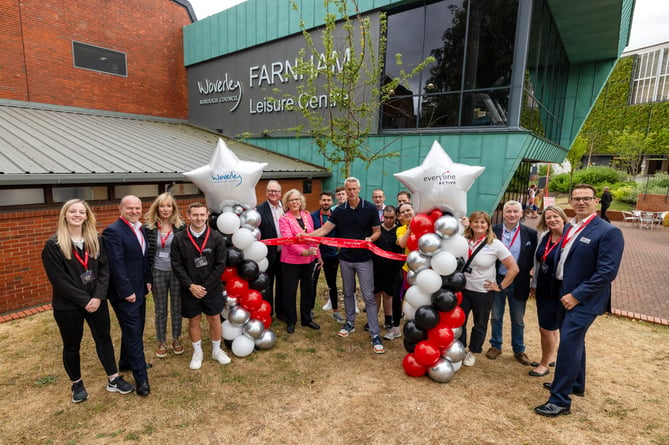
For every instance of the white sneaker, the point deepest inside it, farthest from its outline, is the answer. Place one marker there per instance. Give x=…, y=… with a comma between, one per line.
x=327, y=306
x=357, y=311
x=470, y=359
x=220, y=356
x=393, y=333
x=196, y=361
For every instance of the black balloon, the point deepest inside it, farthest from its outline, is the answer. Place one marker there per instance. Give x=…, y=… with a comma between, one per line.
x=455, y=282
x=412, y=333
x=426, y=317
x=444, y=300
x=212, y=220
x=228, y=239
x=461, y=263
x=228, y=344
x=235, y=257
x=260, y=283
x=410, y=347
x=248, y=270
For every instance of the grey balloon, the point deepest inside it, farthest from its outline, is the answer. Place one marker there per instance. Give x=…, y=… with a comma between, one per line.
x=411, y=277
x=446, y=226
x=238, y=209
x=442, y=372
x=417, y=262
x=257, y=234
x=457, y=332
x=455, y=352
x=429, y=244
x=254, y=328
x=250, y=219
x=266, y=340
x=231, y=301
x=238, y=316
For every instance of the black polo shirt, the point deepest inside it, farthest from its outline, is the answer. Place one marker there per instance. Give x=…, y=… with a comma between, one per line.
x=355, y=223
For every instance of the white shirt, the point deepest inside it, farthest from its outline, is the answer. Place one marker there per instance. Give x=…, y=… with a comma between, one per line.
x=483, y=265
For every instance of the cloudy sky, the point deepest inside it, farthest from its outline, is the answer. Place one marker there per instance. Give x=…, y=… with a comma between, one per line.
x=650, y=24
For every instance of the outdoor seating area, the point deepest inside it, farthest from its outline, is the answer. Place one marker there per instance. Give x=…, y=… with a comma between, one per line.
x=645, y=219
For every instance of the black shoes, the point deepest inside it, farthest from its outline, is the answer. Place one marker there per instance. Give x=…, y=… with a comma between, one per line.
x=551, y=410
x=290, y=328
x=119, y=385
x=79, y=393
x=547, y=386
x=311, y=325
x=143, y=389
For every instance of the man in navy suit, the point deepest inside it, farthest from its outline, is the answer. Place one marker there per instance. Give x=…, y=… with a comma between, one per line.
x=270, y=212
x=521, y=242
x=125, y=243
x=591, y=252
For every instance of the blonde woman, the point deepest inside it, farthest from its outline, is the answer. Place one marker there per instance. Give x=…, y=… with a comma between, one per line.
x=76, y=265
x=162, y=222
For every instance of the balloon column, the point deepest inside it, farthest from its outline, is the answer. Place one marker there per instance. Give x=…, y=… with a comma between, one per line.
x=436, y=262
x=229, y=187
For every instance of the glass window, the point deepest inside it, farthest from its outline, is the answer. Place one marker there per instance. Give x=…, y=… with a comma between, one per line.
x=140, y=190
x=62, y=194
x=184, y=189
x=650, y=78
x=11, y=197
x=99, y=59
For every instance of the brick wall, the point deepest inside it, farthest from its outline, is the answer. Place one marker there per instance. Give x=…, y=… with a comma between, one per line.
x=37, y=64
x=652, y=203
x=24, y=284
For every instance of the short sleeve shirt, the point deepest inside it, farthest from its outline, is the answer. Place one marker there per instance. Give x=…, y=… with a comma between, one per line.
x=355, y=223
x=483, y=265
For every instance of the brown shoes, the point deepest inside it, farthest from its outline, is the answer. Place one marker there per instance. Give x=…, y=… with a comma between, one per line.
x=522, y=358
x=176, y=347
x=493, y=353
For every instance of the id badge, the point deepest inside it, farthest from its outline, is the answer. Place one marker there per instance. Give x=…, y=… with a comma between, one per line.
x=163, y=254
x=201, y=261
x=87, y=277
x=544, y=268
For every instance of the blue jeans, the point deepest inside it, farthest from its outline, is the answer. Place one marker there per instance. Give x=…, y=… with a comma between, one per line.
x=517, y=313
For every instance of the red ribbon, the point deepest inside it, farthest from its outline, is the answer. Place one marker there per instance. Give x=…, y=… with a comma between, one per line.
x=336, y=242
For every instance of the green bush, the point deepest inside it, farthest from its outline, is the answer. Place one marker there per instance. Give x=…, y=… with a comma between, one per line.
x=595, y=176
x=625, y=193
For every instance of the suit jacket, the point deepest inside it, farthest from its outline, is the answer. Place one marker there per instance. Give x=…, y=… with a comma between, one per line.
x=129, y=267
x=591, y=265
x=268, y=230
x=292, y=253
x=528, y=244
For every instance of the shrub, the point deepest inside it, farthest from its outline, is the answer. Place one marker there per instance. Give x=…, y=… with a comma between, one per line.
x=595, y=176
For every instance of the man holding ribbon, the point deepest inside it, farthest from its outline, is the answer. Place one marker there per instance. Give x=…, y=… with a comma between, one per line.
x=198, y=260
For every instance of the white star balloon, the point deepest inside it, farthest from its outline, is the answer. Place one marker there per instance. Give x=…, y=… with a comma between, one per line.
x=440, y=183
x=227, y=180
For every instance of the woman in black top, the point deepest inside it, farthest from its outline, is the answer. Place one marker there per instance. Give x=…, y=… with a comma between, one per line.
x=76, y=265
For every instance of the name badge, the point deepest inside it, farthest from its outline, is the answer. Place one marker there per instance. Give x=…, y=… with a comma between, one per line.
x=163, y=254
x=585, y=240
x=201, y=261
x=544, y=268
x=87, y=277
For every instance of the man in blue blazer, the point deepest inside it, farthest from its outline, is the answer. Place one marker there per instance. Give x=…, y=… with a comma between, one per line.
x=270, y=212
x=521, y=242
x=126, y=246
x=591, y=252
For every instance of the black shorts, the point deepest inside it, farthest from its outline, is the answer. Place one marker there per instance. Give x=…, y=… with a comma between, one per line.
x=387, y=278
x=192, y=307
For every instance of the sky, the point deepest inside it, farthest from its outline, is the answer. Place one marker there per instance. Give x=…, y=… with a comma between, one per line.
x=650, y=24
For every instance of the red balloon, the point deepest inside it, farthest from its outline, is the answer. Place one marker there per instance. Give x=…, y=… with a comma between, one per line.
x=264, y=310
x=441, y=335
x=427, y=353
x=251, y=300
x=266, y=320
x=455, y=318
x=229, y=273
x=421, y=224
x=436, y=214
x=412, y=242
x=412, y=367
x=236, y=287
x=458, y=295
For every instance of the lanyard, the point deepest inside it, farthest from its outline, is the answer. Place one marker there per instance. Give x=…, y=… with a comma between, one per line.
x=547, y=251
x=515, y=235
x=163, y=239
x=192, y=240
x=568, y=238
x=471, y=246
x=138, y=233
x=83, y=262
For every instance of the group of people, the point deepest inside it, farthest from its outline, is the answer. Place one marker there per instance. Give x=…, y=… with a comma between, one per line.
x=568, y=268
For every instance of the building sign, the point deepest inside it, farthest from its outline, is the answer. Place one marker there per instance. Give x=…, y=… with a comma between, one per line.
x=256, y=91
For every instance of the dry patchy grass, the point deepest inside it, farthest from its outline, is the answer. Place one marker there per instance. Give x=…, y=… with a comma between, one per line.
x=314, y=387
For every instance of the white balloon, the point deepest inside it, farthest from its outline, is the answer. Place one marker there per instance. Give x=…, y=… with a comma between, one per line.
x=263, y=264
x=408, y=310
x=456, y=365
x=457, y=245
x=242, y=346
x=242, y=239
x=256, y=251
x=416, y=297
x=224, y=312
x=444, y=263
x=428, y=281
x=231, y=331
x=227, y=222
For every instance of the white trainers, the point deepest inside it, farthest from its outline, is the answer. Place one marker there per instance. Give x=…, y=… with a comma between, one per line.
x=327, y=306
x=393, y=333
x=470, y=359
x=196, y=361
x=220, y=356
x=357, y=311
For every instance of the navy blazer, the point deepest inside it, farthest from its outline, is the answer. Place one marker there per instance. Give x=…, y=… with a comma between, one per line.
x=528, y=244
x=268, y=230
x=591, y=265
x=129, y=267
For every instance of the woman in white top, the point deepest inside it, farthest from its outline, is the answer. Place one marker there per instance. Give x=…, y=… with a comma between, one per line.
x=479, y=292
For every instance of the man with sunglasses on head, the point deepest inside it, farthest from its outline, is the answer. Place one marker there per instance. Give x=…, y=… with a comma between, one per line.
x=591, y=250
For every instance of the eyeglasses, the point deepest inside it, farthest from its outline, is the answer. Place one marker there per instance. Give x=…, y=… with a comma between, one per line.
x=273, y=191
x=584, y=199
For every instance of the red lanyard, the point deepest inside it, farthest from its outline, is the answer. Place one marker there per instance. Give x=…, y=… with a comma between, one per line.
x=163, y=239
x=471, y=246
x=138, y=232
x=568, y=238
x=323, y=214
x=83, y=262
x=547, y=251
x=515, y=235
x=192, y=240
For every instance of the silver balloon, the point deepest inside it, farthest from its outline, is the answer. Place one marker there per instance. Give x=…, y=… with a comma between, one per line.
x=411, y=277
x=429, y=244
x=455, y=352
x=231, y=301
x=238, y=315
x=254, y=328
x=266, y=340
x=250, y=219
x=456, y=365
x=238, y=209
x=417, y=262
x=226, y=209
x=457, y=332
x=225, y=312
x=257, y=234
x=446, y=226
x=442, y=372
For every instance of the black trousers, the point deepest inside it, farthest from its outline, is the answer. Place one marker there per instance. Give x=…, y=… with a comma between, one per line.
x=294, y=274
x=480, y=304
x=330, y=268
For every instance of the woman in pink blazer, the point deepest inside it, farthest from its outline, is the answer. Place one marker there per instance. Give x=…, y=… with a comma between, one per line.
x=297, y=261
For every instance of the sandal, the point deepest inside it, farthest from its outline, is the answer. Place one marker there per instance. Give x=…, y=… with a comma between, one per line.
x=162, y=351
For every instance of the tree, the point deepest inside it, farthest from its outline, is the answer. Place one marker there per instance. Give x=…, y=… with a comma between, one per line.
x=345, y=66
x=631, y=145
x=575, y=154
